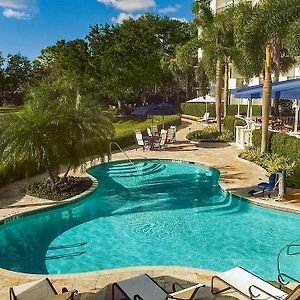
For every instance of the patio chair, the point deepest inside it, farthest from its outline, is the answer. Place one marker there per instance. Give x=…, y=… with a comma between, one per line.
x=266, y=186
x=250, y=286
x=205, y=117
x=139, y=141
x=149, y=132
x=171, y=135
x=143, y=287
x=161, y=144
x=154, y=129
x=38, y=290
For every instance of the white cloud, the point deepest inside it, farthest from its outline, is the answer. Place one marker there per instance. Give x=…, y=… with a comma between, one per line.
x=129, y=5
x=20, y=15
x=183, y=20
x=169, y=9
x=124, y=16
x=18, y=9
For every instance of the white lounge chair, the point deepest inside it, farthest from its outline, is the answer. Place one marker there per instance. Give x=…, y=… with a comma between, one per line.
x=149, y=132
x=205, y=117
x=140, y=142
x=250, y=286
x=171, y=136
x=143, y=287
x=38, y=290
x=161, y=144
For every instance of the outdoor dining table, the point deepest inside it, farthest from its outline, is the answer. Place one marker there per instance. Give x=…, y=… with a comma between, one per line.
x=151, y=140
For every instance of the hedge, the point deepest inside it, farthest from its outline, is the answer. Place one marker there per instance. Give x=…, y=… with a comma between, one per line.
x=198, y=109
x=283, y=145
x=230, y=122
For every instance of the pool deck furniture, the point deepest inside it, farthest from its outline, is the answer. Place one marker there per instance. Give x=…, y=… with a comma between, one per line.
x=205, y=117
x=38, y=290
x=139, y=141
x=143, y=287
x=250, y=285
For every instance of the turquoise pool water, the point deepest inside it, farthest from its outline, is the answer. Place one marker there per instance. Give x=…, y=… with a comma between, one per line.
x=159, y=213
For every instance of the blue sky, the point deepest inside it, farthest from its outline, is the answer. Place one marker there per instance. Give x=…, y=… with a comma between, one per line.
x=27, y=26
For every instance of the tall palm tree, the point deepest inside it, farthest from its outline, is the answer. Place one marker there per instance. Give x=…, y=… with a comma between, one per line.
x=54, y=129
x=264, y=39
x=217, y=43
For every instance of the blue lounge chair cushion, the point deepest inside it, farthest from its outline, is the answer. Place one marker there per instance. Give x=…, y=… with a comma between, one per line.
x=269, y=186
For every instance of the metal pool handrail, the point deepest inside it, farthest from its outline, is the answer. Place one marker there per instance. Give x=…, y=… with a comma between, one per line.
x=109, y=153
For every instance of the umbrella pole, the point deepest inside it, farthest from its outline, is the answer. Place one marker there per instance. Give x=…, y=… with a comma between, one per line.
x=163, y=122
x=297, y=116
x=206, y=107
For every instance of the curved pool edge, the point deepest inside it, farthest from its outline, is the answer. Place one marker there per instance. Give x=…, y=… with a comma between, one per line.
x=54, y=205
x=256, y=201
x=80, y=197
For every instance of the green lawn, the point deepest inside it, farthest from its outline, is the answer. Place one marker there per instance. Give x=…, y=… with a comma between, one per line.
x=125, y=129
x=128, y=127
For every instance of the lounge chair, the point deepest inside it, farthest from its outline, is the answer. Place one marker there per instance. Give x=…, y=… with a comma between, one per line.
x=171, y=135
x=250, y=286
x=205, y=117
x=38, y=290
x=154, y=129
x=266, y=186
x=149, y=132
x=139, y=141
x=143, y=287
x=161, y=144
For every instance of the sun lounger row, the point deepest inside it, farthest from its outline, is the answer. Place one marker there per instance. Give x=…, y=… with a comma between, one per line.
x=143, y=287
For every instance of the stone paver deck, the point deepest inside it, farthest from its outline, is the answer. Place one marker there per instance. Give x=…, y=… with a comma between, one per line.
x=237, y=176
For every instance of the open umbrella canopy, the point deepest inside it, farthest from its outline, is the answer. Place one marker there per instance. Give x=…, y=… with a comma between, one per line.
x=162, y=109
x=206, y=99
x=280, y=90
x=285, y=90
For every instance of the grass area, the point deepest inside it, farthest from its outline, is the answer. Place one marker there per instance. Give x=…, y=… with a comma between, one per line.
x=124, y=128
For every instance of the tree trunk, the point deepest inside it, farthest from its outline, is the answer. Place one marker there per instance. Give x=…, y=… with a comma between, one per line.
x=119, y=104
x=276, y=74
x=218, y=94
x=266, y=102
x=226, y=89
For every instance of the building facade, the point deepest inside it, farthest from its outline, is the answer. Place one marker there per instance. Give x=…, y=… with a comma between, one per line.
x=236, y=80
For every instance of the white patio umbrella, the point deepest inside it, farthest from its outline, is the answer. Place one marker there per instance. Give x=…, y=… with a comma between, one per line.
x=206, y=99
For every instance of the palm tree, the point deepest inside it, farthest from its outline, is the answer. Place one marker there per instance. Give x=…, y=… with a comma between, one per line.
x=54, y=129
x=217, y=43
x=264, y=39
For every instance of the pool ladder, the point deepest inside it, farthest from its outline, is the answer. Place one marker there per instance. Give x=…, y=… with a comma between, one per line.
x=119, y=147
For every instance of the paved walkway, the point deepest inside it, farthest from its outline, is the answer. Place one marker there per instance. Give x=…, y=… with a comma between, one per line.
x=237, y=176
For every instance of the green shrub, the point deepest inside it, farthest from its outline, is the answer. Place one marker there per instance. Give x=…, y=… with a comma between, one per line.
x=198, y=109
x=283, y=144
x=256, y=139
x=71, y=187
x=210, y=134
x=271, y=162
x=230, y=122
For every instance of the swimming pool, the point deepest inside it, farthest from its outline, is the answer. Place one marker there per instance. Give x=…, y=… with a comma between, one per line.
x=157, y=213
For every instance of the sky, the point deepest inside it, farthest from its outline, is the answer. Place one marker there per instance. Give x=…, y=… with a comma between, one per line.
x=28, y=26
